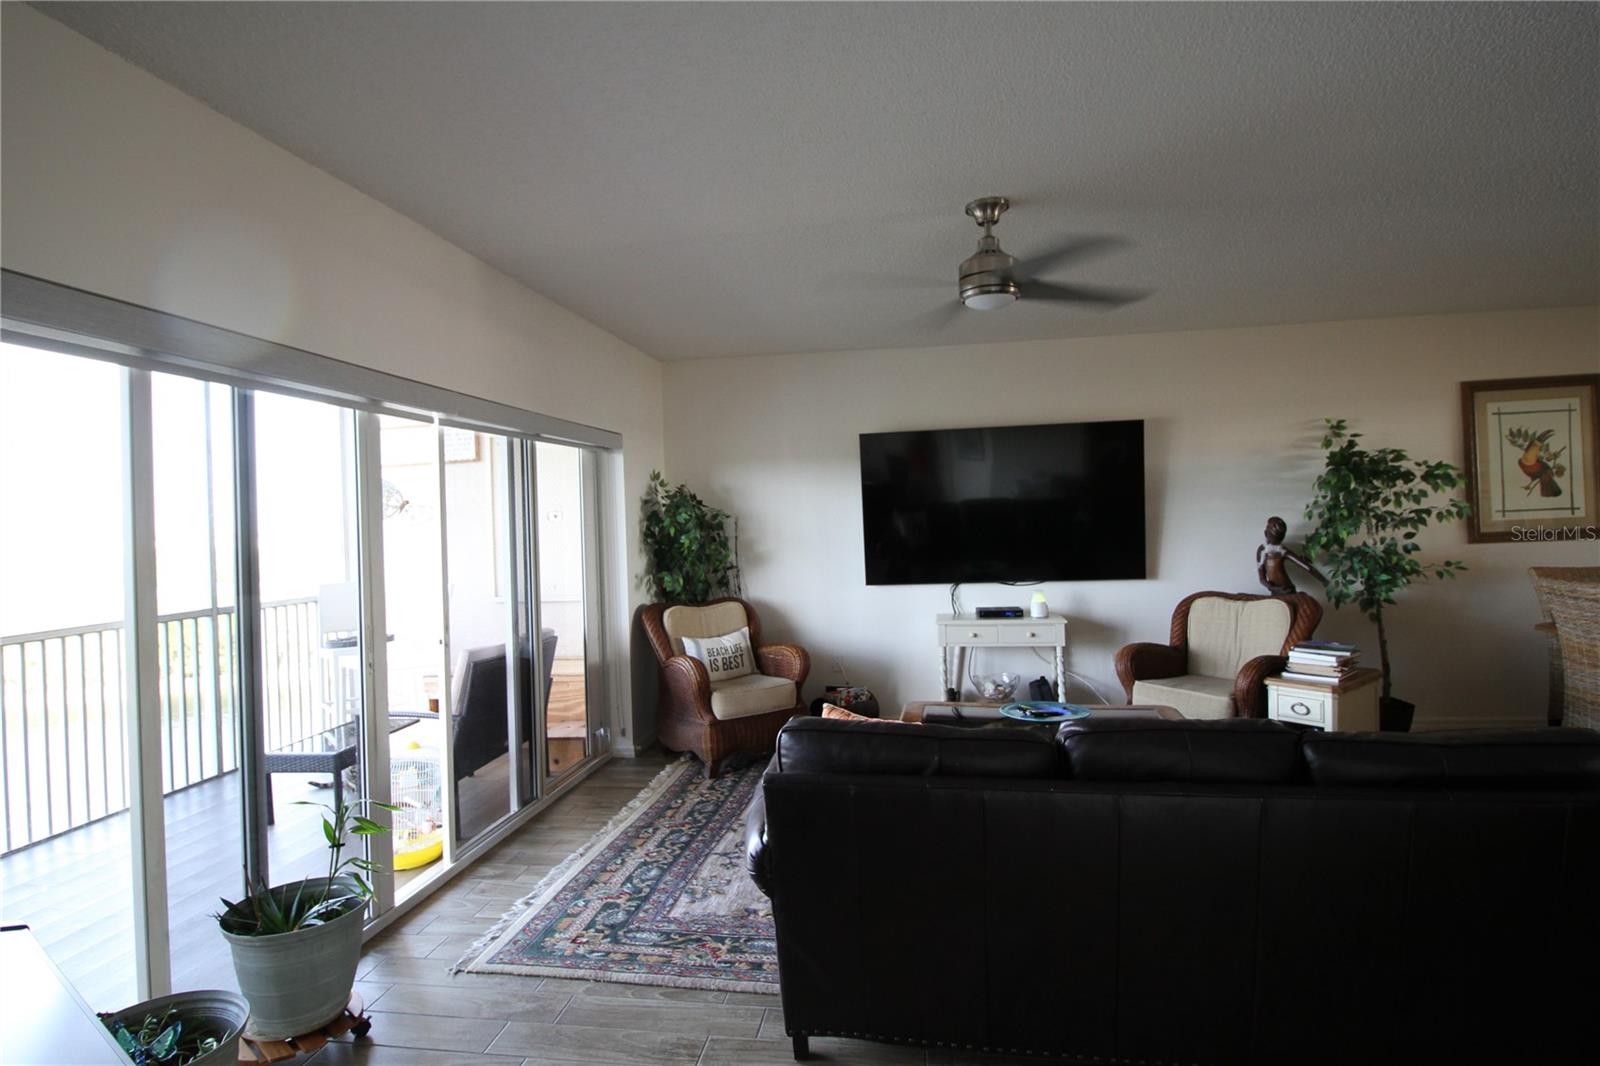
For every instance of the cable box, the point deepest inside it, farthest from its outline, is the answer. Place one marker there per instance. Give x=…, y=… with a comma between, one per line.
x=999, y=612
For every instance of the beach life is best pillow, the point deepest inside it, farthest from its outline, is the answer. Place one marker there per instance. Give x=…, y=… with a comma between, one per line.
x=726, y=657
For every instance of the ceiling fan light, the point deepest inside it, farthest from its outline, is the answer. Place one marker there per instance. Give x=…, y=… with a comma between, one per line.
x=989, y=297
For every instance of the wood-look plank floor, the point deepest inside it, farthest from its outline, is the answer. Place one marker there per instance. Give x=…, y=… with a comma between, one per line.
x=425, y=1016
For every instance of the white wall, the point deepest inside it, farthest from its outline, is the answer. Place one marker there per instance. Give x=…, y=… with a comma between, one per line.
x=117, y=183
x=1232, y=425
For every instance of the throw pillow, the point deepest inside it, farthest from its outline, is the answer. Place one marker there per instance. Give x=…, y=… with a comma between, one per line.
x=839, y=714
x=726, y=657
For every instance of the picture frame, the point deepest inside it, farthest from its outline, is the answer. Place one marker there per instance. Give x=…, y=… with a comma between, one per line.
x=1532, y=458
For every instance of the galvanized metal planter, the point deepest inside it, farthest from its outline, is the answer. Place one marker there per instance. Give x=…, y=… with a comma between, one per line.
x=297, y=982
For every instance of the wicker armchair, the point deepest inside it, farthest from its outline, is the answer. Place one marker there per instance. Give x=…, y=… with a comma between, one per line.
x=1222, y=648
x=1570, y=598
x=690, y=718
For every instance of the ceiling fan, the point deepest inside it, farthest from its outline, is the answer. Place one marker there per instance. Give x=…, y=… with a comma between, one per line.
x=991, y=278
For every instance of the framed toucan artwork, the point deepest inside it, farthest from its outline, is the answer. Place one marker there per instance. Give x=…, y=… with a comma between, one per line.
x=1531, y=458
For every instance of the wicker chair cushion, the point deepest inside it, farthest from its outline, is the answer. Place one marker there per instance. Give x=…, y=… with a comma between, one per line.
x=1225, y=634
x=1192, y=695
x=741, y=697
x=685, y=620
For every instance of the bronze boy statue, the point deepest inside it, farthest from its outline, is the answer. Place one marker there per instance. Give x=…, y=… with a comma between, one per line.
x=1270, y=560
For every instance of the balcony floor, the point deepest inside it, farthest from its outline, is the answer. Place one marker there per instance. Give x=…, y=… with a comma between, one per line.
x=72, y=889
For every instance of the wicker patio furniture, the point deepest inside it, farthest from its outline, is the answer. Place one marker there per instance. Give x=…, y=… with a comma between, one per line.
x=733, y=717
x=1570, y=599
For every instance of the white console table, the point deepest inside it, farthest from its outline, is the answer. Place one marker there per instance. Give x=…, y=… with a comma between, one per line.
x=961, y=632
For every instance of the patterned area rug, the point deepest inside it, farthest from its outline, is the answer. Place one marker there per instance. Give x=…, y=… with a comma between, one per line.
x=658, y=897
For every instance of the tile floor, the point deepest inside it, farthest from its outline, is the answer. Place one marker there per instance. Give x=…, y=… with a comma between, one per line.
x=424, y=1016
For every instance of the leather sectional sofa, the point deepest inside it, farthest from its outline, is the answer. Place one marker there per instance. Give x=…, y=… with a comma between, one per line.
x=1187, y=892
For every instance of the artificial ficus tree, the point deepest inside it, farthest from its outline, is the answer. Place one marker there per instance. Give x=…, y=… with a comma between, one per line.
x=691, y=558
x=1369, y=507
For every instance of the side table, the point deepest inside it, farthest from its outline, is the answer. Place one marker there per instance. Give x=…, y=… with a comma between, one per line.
x=1349, y=704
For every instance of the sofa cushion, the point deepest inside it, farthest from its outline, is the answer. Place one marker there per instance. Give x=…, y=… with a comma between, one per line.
x=1241, y=750
x=688, y=620
x=741, y=697
x=1225, y=634
x=829, y=746
x=1191, y=695
x=1476, y=758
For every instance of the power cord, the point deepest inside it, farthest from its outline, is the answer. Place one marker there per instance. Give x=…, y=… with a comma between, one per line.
x=1079, y=678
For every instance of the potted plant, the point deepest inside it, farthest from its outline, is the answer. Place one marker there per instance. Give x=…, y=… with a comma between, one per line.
x=686, y=541
x=184, y=1029
x=296, y=946
x=1369, y=506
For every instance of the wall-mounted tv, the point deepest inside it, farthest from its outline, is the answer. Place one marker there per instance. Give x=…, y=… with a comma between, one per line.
x=1011, y=503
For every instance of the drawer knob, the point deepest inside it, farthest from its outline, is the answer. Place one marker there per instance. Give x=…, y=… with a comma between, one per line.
x=1300, y=708
x=1031, y=633
x=974, y=636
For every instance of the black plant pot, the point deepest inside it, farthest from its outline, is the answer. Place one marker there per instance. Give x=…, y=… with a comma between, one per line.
x=1394, y=715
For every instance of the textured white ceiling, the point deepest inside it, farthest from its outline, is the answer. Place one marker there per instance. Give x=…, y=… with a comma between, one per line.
x=723, y=179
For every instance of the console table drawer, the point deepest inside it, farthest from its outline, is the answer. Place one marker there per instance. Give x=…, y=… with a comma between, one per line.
x=970, y=634
x=1299, y=705
x=1044, y=635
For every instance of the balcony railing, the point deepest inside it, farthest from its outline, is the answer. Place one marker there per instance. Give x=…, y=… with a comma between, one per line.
x=63, y=741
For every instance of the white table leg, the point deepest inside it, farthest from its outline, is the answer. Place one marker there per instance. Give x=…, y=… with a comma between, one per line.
x=1061, y=672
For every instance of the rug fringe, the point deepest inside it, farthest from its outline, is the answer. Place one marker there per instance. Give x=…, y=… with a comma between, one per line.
x=559, y=874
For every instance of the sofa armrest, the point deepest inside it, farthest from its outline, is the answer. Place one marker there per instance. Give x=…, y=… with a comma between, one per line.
x=687, y=684
x=757, y=860
x=1143, y=662
x=1249, y=694
x=784, y=660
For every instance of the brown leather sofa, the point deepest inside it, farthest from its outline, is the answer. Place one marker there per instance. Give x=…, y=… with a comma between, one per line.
x=1186, y=892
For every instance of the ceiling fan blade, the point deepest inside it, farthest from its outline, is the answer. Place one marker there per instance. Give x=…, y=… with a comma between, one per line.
x=1079, y=294
x=1066, y=252
x=942, y=316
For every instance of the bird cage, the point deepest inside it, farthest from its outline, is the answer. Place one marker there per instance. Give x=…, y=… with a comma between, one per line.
x=416, y=788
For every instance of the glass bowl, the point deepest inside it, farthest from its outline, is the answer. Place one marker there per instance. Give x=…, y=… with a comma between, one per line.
x=997, y=688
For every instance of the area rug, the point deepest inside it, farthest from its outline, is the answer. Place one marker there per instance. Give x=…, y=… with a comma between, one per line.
x=660, y=896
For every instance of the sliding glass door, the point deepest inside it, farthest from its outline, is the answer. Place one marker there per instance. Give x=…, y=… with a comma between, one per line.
x=312, y=678
x=258, y=603
x=197, y=677
x=67, y=863
x=566, y=531
x=480, y=678
x=414, y=621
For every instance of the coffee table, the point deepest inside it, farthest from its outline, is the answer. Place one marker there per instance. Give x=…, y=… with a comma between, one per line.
x=975, y=715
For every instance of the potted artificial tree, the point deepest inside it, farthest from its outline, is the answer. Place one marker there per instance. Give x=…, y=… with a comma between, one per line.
x=1369, y=507
x=296, y=946
x=686, y=541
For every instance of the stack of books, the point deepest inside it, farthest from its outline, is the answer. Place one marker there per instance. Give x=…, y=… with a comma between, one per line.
x=1326, y=662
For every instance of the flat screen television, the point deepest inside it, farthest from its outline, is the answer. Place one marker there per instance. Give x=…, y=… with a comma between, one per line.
x=1011, y=503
